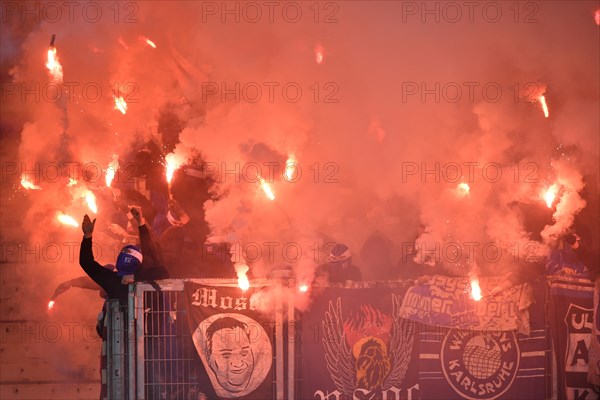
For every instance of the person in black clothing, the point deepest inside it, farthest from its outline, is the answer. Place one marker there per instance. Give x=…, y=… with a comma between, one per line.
x=339, y=269
x=133, y=263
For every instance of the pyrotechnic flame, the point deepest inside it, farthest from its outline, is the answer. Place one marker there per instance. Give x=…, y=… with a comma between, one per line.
x=303, y=288
x=113, y=166
x=550, y=195
x=172, y=164
x=53, y=65
x=243, y=282
x=290, y=167
x=475, y=289
x=319, y=54
x=267, y=189
x=597, y=17
x=28, y=185
x=148, y=41
x=72, y=182
x=544, y=106
x=90, y=199
x=66, y=219
x=120, y=104
x=463, y=189
x=51, y=305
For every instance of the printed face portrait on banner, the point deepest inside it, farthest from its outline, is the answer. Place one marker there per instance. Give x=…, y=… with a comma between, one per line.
x=236, y=351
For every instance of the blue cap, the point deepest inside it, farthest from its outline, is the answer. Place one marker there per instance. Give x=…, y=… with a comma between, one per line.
x=129, y=260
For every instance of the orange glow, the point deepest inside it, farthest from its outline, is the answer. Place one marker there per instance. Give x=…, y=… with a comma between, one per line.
x=290, y=167
x=597, y=17
x=113, y=166
x=544, y=106
x=66, y=219
x=120, y=104
x=475, y=289
x=90, y=199
x=243, y=282
x=28, y=185
x=267, y=189
x=172, y=164
x=51, y=305
x=53, y=65
x=319, y=54
x=550, y=195
x=148, y=41
x=463, y=189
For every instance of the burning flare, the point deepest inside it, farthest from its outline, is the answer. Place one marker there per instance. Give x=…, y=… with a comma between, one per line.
x=463, y=189
x=303, y=288
x=90, y=199
x=28, y=185
x=66, y=220
x=120, y=104
x=475, y=289
x=72, y=182
x=53, y=65
x=267, y=189
x=550, y=195
x=172, y=164
x=113, y=166
x=544, y=106
x=290, y=167
x=148, y=41
x=319, y=54
x=51, y=305
x=597, y=17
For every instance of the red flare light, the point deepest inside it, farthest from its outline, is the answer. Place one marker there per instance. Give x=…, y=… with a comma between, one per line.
x=267, y=189
x=54, y=68
x=51, y=305
x=475, y=289
x=90, y=199
x=120, y=104
x=544, y=106
x=28, y=185
x=303, y=288
x=550, y=195
x=319, y=55
x=597, y=17
x=148, y=41
x=66, y=220
x=113, y=166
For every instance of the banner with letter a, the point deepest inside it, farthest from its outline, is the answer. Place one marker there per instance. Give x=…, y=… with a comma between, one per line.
x=571, y=316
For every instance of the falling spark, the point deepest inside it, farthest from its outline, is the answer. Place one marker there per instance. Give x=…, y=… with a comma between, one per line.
x=303, y=288
x=90, y=199
x=51, y=305
x=475, y=289
x=53, y=65
x=544, y=106
x=550, y=195
x=66, y=219
x=290, y=167
x=319, y=54
x=122, y=43
x=597, y=17
x=267, y=189
x=120, y=104
x=113, y=166
x=28, y=185
x=148, y=41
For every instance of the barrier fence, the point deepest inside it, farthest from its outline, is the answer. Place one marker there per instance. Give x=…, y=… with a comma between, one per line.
x=197, y=339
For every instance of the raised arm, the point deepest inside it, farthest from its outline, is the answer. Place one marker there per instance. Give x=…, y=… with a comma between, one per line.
x=152, y=266
x=103, y=277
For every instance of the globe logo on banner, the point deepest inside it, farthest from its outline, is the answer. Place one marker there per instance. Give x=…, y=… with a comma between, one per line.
x=480, y=365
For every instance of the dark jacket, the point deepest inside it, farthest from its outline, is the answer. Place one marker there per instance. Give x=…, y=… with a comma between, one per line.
x=151, y=268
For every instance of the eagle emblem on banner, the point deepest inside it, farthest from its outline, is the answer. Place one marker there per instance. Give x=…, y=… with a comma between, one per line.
x=370, y=350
